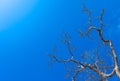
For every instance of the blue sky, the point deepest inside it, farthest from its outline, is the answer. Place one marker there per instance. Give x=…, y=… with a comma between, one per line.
x=30, y=28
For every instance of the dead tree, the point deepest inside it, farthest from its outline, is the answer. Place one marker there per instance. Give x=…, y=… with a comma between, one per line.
x=97, y=67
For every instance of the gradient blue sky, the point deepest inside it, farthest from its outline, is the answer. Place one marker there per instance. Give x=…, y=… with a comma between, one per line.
x=29, y=29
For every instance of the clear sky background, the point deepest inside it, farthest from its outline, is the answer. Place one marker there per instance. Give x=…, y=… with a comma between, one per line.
x=30, y=28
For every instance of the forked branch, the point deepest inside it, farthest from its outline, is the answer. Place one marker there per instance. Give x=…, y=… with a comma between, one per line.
x=82, y=66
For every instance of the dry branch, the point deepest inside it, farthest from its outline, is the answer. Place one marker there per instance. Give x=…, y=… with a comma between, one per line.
x=95, y=66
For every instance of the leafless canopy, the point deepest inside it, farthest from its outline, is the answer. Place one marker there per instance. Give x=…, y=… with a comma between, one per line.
x=97, y=66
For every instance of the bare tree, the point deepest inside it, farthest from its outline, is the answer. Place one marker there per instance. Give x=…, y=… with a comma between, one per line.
x=95, y=69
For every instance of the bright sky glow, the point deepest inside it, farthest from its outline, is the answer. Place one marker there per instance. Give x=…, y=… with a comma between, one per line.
x=14, y=11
